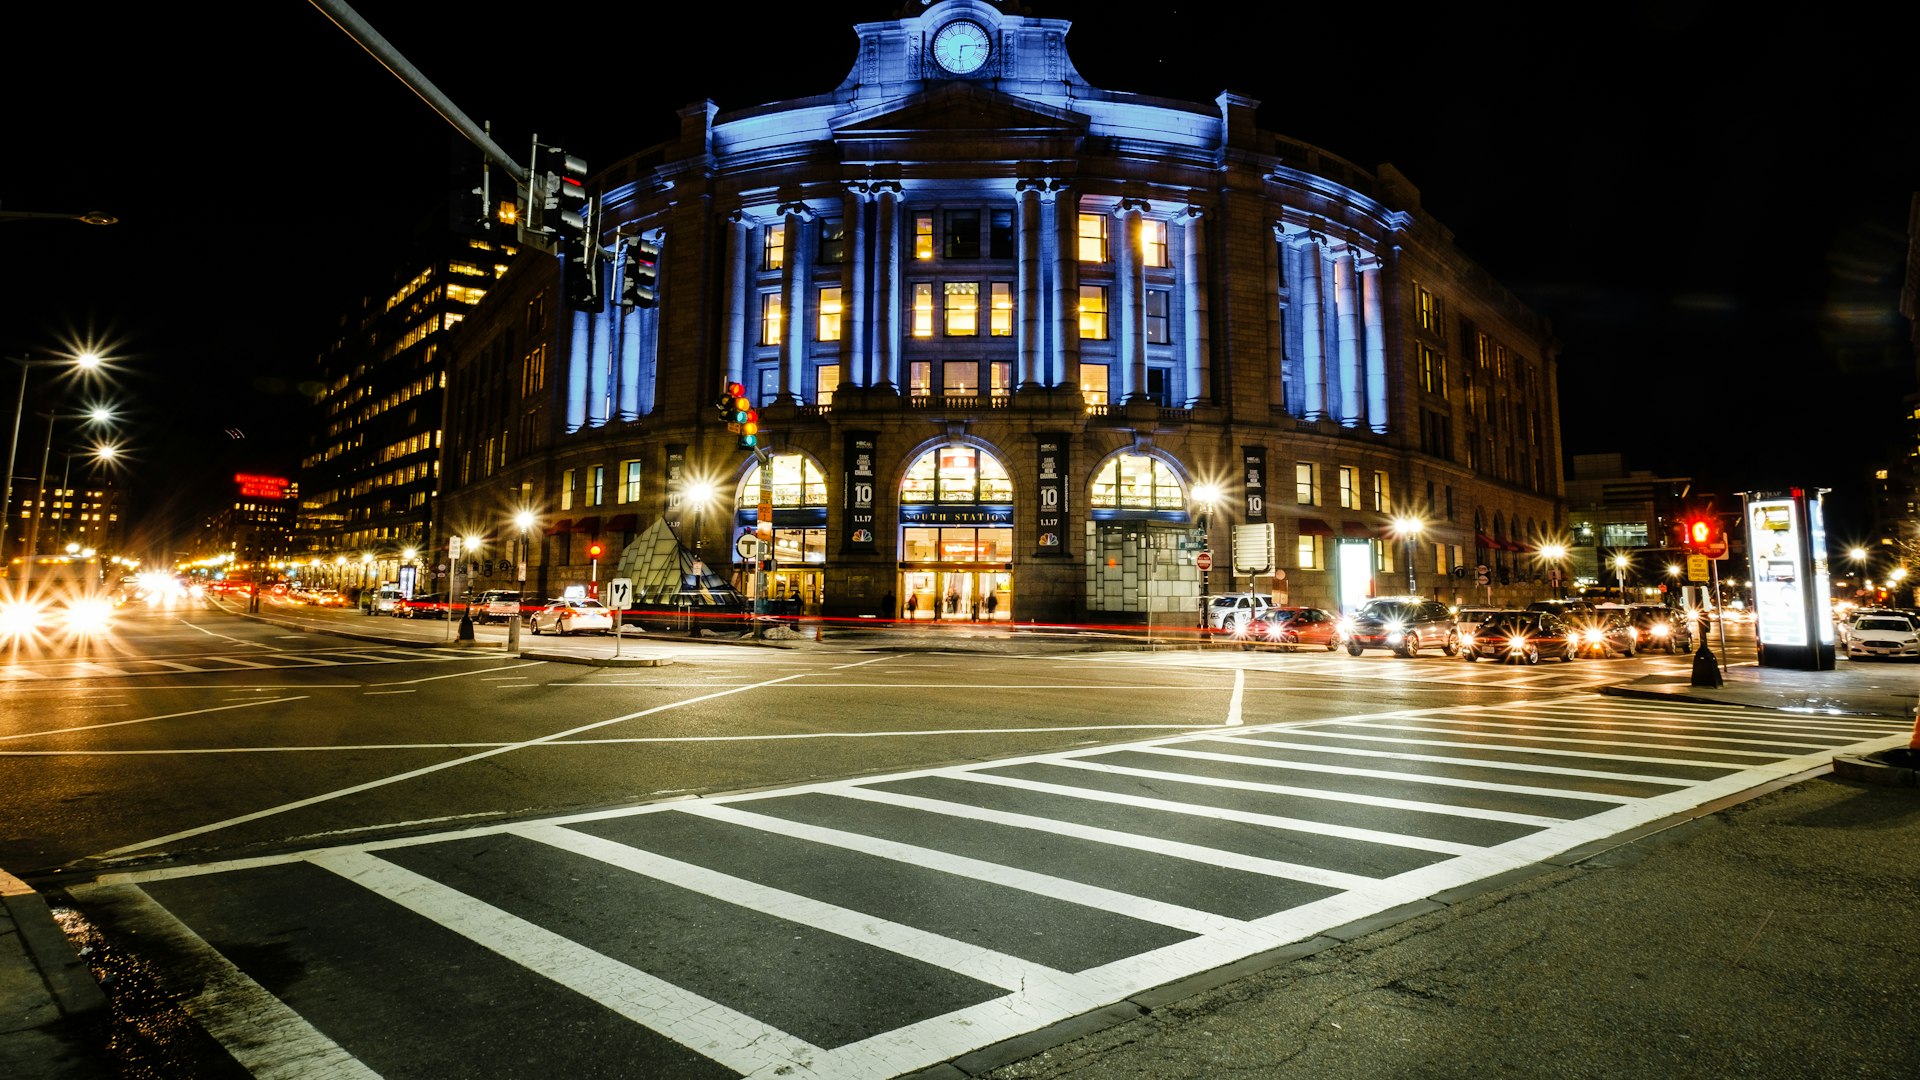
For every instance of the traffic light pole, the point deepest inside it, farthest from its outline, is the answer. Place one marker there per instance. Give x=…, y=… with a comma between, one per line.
x=764, y=563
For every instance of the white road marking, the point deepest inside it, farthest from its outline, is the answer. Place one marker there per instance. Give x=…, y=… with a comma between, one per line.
x=148, y=719
x=453, y=675
x=1239, y=695
x=268, y=1039
x=1382, y=774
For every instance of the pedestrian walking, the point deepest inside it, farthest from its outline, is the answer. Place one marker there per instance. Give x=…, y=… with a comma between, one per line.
x=913, y=607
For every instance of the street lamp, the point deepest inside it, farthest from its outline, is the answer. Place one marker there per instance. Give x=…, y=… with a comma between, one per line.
x=1620, y=563
x=97, y=415
x=1205, y=496
x=1409, y=529
x=1556, y=555
x=524, y=522
x=84, y=362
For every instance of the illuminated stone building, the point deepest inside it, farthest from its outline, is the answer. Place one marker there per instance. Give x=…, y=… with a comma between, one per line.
x=1004, y=328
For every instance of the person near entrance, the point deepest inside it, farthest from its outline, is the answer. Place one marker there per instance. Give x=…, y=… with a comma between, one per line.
x=993, y=605
x=973, y=610
x=953, y=602
x=913, y=607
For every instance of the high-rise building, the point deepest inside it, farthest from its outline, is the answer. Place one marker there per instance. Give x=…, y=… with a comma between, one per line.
x=1021, y=347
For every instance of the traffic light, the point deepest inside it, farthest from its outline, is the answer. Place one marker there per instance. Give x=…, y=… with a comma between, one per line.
x=594, y=549
x=643, y=273
x=567, y=208
x=1702, y=533
x=580, y=274
x=742, y=418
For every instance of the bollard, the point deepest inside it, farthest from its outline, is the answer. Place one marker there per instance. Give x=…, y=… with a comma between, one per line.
x=466, y=626
x=1706, y=670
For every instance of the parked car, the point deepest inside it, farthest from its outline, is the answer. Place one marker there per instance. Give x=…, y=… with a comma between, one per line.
x=1607, y=631
x=572, y=617
x=1661, y=627
x=1291, y=627
x=1234, y=612
x=1467, y=620
x=424, y=606
x=1881, y=634
x=496, y=605
x=1568, y=609
x=1404, y=624
x=1523, y=637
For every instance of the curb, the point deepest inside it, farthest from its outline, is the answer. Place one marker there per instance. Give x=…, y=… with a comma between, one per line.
x=598, y=661
x=71, y=983
x=1868, y=771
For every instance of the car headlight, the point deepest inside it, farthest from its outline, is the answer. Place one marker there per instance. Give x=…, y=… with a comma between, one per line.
x=88, y=616
x=1345, y=626
x=19, y=619
x=1594, y=637
x=1517, y=643
x=1395, y=637
x=1466, y=641
x=1662, y=630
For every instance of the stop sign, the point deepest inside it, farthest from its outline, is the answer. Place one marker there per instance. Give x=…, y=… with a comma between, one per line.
x=1204, y=560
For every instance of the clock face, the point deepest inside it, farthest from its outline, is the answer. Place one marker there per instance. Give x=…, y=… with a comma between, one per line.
x=961, y=46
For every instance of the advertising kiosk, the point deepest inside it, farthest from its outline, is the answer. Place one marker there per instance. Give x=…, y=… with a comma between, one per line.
x=1787, y=549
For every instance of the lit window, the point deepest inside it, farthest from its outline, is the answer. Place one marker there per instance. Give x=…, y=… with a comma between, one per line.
x=920, y=379
x=1093, y=238
x=923, y=310
x=963, y=308
x=630, y=481
x=773, y=252
x=1382, y=501
x=827, y=380
x=961, y=378
x=797, y=482
x=1137, y=482
x=956, y=474
x=770, y=319
x=1349, y=497
x=829, y=328
x=1153, y=242
x=1093, y=383
x=1307, y=556
x=1306, y=484
x=566, y=490
x=597, y=491
x=1001, y=374
x=1093, y=312
x=1001, y=324
x=923, y=236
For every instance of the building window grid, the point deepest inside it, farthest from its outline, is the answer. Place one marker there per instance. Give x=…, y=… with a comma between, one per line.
x=1349, y=488
x=923, y=309
x=923, y=237
x=1093, y=312
x=770, y=317
x=773, y=247
x=962, y=315
x=828, y=323
x=1000, y=307
x=1153, y=243
x=1306, y=483
x=1093, y=238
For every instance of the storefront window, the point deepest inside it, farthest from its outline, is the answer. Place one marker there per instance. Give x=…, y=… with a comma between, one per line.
x=1137, y=482
x=956, y=474
x=797, y=481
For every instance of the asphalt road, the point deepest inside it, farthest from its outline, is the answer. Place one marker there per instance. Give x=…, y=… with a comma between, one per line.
x=860, y=861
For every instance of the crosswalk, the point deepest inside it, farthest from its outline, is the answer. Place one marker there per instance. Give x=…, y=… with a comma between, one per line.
x=870, y=928
x=1432, y=670
x=108, y=666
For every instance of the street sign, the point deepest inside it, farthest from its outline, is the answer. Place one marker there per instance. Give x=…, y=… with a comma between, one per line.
x=1204, y=560
x=453, y=547
x=1697, y=567
x=620, y=593
x=748, y=545
x=1482, y=578
x=1718, y=550
x=1253, y=548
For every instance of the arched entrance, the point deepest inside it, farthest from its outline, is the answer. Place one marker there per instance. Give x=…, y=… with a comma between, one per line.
x=797, y=582
x=956, y=537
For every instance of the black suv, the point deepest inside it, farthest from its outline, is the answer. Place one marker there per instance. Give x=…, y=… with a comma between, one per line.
x=1405, y=624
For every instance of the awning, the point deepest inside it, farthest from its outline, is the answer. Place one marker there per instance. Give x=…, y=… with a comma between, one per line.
x=623, y=523
x=1485, y=541
x=1358, y=530
x=560, y=526
x=1315, y=527
x=588, y=525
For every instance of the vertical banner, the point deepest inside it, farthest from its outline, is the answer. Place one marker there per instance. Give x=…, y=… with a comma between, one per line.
x=858, y=490
x=1051, y=493
x=1254, y=466
x=676, y=482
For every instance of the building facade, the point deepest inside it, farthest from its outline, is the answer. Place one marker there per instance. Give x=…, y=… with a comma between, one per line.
x=1022, y=348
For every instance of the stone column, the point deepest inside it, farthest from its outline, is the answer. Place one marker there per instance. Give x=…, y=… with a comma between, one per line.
x=1130, y=288
x=1066, y=287
x=1377, y=416
x=1313, y=352
x=1030, y=275
x=856, y=365
x=886, y=284
x=1193, y=298
x=794, y=280
x=577, y=358
x=734, y=348
x=1347, y=312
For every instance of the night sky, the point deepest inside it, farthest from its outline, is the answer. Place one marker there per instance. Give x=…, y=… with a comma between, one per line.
x=1710, y=205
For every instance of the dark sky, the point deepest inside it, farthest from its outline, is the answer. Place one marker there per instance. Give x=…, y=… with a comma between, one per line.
x=1710, y=206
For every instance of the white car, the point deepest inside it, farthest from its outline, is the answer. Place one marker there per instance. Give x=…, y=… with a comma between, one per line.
x=1882, y=635
x=572, y=617
x=1235, y=612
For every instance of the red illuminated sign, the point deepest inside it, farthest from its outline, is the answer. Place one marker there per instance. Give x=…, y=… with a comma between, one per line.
x=262, y=487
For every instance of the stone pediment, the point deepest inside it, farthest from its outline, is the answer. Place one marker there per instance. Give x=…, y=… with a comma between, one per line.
x=962, y=113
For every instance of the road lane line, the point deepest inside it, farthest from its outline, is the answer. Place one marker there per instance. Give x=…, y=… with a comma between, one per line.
x=454, y=675
x=410, y=774
x=732, y=1038
x=268, y=1039
x=1288, y=765
x=145, y=719
x=1239, y=695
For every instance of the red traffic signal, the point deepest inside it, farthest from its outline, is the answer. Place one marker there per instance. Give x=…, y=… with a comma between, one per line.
x=1701, y=533
x=593, y=550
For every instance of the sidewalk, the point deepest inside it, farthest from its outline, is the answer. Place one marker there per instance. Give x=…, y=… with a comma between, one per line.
x=49, y=1001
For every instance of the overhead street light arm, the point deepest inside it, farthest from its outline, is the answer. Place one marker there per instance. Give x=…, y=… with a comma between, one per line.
x=370, y=39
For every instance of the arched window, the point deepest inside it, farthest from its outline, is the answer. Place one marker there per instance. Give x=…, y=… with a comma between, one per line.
x=1137, y=482
x=797, y=482
x=956, y=474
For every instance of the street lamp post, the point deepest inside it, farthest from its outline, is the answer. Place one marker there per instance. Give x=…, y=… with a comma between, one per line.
x=523, y=520
x=1205, y=495
x=1620, y=562
x=98, y=415
x=1555, y=555
x=85, y=362
x=1409, y=530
